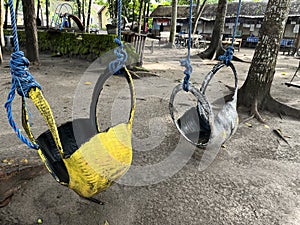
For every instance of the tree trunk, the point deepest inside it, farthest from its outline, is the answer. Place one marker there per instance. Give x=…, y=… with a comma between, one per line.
x=47, y=13
x=89, y=17
x=173, y=22
x=38, y=19
x=16, y=11
x=83, y=14
x=2, y=42
x=297, y=43
x=215, y=48
x=140, y=16
x=79, y=9
x=255, y=92
x=147, y=14
x=144, y=16
x=199, y=13
x=133, y=15
x=30, y=31
x=6, y=16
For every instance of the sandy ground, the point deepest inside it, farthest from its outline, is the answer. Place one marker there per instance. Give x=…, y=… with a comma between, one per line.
x=255, y=178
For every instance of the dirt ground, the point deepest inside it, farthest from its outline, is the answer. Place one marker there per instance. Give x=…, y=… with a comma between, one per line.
x=255, y=178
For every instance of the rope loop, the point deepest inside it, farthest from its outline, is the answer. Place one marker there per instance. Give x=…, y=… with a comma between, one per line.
x=21, y=77
x=228, y=55
x=119, y=62
x=188, y=71
x=8, y=106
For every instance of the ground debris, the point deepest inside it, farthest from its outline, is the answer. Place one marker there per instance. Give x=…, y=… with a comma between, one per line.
x=14, y=171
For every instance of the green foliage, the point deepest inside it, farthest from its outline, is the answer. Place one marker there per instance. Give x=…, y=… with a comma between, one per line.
x=71, y=44
x=187, y=2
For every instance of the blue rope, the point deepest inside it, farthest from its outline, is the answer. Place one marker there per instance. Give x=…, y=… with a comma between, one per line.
x=19, y=71
x=14, y=25
x=228, y=55
x=236, y=21
x=22, y=80
x=120, y=52
x=115, y=65
x=186, y=62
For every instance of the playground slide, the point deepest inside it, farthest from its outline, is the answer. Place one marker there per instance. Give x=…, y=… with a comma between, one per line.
x=77, y=21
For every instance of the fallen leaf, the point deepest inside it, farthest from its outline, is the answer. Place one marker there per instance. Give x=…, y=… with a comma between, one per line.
x=24, y=160
x=87, y=83
x=248, y=124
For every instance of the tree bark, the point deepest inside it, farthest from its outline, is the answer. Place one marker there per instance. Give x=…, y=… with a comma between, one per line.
x=89, y=17
x=47, y=13
x=140, y=16
x=83, y=13
x=199, y=13
x=173, y=22
x=215, y=48
x=16, y=11
x=133, y=15
x=255, y=92
x=6, y=15
x=2, y=41
x=79, y=9
x=32, y=51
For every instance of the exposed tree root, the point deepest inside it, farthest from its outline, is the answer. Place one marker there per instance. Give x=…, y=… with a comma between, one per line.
x=209, y=55
x=248, y=119
x=274, y=106
x=255, y=113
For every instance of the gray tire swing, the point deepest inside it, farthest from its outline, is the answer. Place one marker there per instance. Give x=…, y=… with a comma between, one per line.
x=199, y=125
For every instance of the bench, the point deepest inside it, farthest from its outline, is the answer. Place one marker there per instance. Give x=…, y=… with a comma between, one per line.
x=251, y=42
x=287, y=45
x=164, y=37
x=237, y=42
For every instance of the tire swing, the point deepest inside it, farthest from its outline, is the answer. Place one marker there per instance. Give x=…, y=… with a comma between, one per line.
x=87, y=162
x=199, y=125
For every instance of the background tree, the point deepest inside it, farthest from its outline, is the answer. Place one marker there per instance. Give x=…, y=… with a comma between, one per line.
x=255, y=92
x=173, y=22
x=16, y=10
x=78, y=8
x=199, y=11
x=215, y=48
x=141, y=7
x=6, y=14
x=2, y=43
x=133, y=14
x=89, y=16
x=83, y=12
x=47, y=13
x=32, y=50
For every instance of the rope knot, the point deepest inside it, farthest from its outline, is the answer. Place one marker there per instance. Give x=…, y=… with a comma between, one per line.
x=21, y=76
x=118, y=41
x=188, y=71
x=119, y=62
x=228, y=55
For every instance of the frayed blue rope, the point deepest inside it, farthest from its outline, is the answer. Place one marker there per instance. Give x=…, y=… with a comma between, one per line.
x=188, y=71
x=8, y=104
x=186, y=62
x=119, y=62
x=22, y=81
x=19, y=71
x=228, y=55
